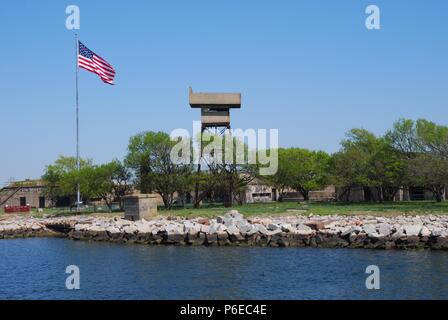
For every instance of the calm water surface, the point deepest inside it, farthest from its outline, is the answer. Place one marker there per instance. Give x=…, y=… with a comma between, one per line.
x=35, y=269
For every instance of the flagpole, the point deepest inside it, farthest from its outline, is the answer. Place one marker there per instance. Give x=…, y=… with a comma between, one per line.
x=78, y=193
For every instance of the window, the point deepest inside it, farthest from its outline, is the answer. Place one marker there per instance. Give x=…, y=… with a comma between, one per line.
x=255, y=195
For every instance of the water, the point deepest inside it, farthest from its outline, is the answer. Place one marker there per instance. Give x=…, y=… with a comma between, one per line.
x=35, y=269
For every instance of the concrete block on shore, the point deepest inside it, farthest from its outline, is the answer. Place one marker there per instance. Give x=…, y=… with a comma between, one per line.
x=141, y=206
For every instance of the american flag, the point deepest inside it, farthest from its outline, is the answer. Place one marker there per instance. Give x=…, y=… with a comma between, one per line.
x=92, y=62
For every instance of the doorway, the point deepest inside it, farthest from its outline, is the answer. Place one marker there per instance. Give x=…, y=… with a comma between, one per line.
x=41, y=202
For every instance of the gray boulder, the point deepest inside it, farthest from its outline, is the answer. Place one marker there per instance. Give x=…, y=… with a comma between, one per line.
x=273, y=226
x=384, y=229
x=261, y=229
x=113, y=230
x=369, y=228
x=244, y=226
x=234, y=234
x=304, y=230
x=191, y=227
x=425, y=232
x=287, y=227
x=231, y=218
x=412, y=229
x=131, y=229
x=234, y=214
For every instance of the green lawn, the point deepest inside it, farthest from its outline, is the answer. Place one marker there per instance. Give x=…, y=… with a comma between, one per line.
x=292, y=208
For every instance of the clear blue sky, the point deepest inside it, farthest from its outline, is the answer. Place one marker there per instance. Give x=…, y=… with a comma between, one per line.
x=309, y=68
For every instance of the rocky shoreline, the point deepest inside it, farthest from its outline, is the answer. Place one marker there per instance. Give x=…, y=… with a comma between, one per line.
x=401, y=232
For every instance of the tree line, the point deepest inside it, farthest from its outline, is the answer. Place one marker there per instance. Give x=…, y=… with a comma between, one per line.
x=410, y=154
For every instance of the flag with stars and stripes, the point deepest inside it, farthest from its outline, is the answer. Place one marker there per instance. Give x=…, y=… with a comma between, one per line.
x=92, y=62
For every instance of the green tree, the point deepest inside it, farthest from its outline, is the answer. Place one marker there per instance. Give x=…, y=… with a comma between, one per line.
x=149, y=155
x=62, y=178
x=431, y=172
x=421, y=136
x=110, y=182
x=347, y=171
x=423, y=145
x=433, y=138
x=301, y=170
x=403, y=138
x=227, y=168
x=369, y=161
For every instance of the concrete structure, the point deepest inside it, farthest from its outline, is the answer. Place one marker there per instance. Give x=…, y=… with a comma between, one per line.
x=215, y=107
x=140, y=206
x=325, y=195
x=257, y=192
x=22, y=193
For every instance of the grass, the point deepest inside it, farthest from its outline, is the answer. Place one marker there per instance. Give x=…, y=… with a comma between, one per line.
x=274, y=208
x=384, y=209
x=290, y=208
